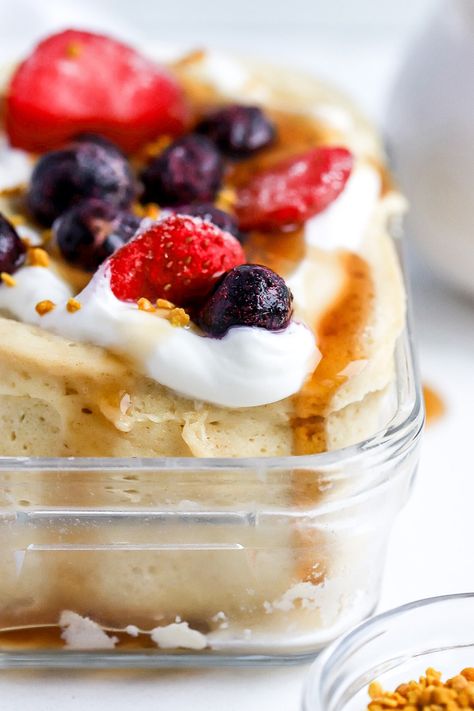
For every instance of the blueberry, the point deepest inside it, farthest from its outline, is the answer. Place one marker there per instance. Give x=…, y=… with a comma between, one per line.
x=91, y=231
x=188, y=170
x=99, y=140
x=248, y=295
x=84, y=169
x=210, y=213
x=12, y=249
x=238, y=130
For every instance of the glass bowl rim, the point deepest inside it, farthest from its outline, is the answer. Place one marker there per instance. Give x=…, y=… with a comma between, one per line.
x=342, y=644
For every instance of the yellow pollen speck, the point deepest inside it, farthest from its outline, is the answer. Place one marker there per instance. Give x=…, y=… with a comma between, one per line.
x=138, y=209
x=7, y=279
x=193, y=57
x=37, y=257
x=154, y=148
x=73, y=50
x=145, y=305
x=164, y=304
x=73, y=305
x=426, y=694
x=152, y=210
x=44, y=307
x=179, y=317
x=226, y=199
x=17, y=220
x=167, y=287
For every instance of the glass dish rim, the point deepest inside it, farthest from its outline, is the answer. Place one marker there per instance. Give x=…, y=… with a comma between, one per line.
x=403, y=428
x=344, y=643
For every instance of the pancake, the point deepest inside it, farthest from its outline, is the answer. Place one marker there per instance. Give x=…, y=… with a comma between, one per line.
x=238, y=584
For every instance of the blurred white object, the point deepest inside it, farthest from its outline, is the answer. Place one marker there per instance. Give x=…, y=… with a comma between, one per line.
x=430, y=125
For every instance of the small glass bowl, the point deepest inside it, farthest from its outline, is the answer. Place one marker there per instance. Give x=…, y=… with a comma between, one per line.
x=393, y=648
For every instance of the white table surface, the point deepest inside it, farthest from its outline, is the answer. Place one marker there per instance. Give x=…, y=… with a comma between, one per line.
x=431, y=545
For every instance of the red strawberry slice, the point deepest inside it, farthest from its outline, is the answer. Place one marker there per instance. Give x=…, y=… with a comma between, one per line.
x=178, y=258
x=293, y=190
x=78, y=81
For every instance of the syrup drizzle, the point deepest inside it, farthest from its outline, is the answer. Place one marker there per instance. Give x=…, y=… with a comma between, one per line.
x=339, y=338
x=434, y=404
x=340, y=342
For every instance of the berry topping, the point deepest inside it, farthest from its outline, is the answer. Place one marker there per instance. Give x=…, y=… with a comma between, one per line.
x=294, y=190
x=238, y=130
x=78, y=81
x=91, y=231
x=99, y=140
x=189, y=170
x=178, y=258
x=210, y=213
x=248, y=295
x=82, y=170
x=12, y=249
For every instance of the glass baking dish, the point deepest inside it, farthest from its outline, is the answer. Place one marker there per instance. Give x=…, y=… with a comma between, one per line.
x=393, y=648
x=200, y=561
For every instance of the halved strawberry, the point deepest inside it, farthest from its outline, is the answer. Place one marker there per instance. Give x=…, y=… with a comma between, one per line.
x=79, y=81
x=294, y=190
x=178, y=258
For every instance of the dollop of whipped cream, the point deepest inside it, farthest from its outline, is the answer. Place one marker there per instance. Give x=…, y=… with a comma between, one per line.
x=15, y=166
x=344, y=223
x=248, y=367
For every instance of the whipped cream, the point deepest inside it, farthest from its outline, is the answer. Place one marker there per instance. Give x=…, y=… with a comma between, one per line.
x=33, y=284
x=248, y=367
x=15, y=166
x=344, y=223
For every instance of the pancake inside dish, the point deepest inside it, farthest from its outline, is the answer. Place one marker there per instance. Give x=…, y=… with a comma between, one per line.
x=196, y=261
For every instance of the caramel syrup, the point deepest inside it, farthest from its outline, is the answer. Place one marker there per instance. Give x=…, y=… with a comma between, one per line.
x=281, y=251
x=48, y=637
x=435, y=406
x=340, y=342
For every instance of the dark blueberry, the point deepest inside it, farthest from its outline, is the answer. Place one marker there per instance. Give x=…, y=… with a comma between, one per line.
x=248, y=295
x=210, y=213
x=12, y=249
x=82, y=170
x=91, y=231
x=238, y=130
x=99, y=140
x=189, y=170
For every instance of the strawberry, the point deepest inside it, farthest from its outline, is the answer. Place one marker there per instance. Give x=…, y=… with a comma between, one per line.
x=78, y=81
x=178, y=258
x=293, y=190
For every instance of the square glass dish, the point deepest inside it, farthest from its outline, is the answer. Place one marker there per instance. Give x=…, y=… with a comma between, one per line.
x=200, y=561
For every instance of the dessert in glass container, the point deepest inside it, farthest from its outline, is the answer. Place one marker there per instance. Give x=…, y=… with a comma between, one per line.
x=208, y=407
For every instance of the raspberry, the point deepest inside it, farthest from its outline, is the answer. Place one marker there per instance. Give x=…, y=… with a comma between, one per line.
x=189, y=170
x=178, y=258
x=238, y=130
x=12, y=249
x=248, y=295
x=294, y=190
x=79, y=81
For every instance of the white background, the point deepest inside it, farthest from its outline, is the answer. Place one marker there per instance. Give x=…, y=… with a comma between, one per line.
x=357, y=43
